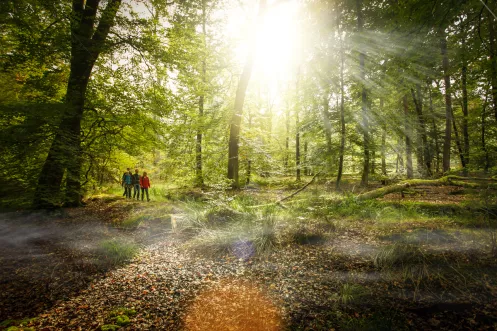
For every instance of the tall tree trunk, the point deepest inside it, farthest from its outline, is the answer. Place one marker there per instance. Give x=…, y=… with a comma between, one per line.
x=249, y=161
x=408, y=134
x=65, y=151
x=425, y=148
x=306, y=165
x=236, y=120
x=383, y=143
x=464, y=70
x=287, y=139
x=493, y=60
x=364, y=97
x=483, y=144
x=199, y=179
x=435, y=131
x=297, y=129
x=373, y=160
x=458, y=141
x=383, y=151
x=297, y=147
x=342, y=108
x=327, y=129
x=448, y=102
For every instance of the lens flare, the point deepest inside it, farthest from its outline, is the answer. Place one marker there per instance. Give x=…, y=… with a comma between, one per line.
x=233, y=305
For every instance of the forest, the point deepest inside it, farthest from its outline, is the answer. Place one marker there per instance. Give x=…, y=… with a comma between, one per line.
x=307, y=164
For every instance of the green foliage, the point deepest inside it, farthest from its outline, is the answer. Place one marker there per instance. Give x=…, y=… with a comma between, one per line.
x=134, y=222
x=18, y=325
x=224, y=231
x=122, y=311
x=109, y=327
x=117, y=251
x=122, y=320
x=398, y=255
x=350, y=293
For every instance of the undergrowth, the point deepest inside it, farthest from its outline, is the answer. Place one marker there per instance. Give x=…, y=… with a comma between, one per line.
x=115, y=251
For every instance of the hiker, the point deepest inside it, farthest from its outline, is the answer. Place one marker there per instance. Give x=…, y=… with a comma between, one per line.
x=136, y=185
x=128, y=180
x=122, y=182
x=145, y=184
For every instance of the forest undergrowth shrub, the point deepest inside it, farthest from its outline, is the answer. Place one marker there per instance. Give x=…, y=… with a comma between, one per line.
x=134, y=221
x=418, y=272
x=350, y=293
x=398, y=255
x=115, y=251
x=223, y=232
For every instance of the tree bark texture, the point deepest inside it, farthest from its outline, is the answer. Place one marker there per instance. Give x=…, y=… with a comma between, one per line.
x=408, y=135
x=327, y=129
x=448, y=102
x=464, y=74
x=342, y=109
x=492, y=43
x=458, y=141
x=426, y=153
x=297, y=134
x=364, y=98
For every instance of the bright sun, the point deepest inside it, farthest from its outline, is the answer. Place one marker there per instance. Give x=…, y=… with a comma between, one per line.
x=277, y=41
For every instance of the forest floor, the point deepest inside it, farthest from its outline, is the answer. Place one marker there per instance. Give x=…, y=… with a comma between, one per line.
x=212, y=261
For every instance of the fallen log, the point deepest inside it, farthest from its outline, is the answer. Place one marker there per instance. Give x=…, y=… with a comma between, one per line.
x=399, y=187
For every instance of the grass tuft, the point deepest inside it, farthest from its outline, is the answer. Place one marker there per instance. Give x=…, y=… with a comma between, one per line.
x=350, y=293
x=398, y=255
x=117, y=252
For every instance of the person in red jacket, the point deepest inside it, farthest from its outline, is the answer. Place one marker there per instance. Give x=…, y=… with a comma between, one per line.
x=145, y=184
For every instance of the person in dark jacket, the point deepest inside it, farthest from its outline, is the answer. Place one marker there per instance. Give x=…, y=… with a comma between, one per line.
x=122, y=182
x=128, y=183
x=145, y=185
x=136, y=185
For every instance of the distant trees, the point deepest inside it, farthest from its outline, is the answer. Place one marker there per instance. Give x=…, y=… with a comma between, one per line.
x=87, y=86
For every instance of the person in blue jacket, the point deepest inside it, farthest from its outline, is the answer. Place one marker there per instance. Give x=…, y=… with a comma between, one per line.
x=128, y=183
x=122, y=182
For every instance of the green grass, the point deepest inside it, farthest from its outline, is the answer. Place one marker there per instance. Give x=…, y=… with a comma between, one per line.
x=350, y=293
x=398, y=255
x=117, y=251
x=18, y=325
x=221, y=230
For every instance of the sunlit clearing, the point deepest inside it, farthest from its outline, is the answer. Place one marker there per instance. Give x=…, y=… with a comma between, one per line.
x=234, y=306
